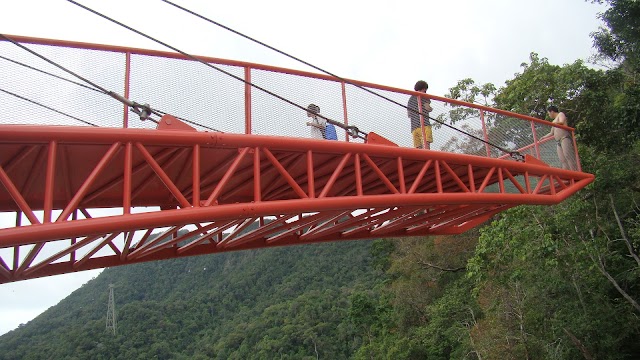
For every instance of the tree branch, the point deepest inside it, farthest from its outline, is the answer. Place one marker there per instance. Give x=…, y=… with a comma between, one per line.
x=600, y=263
x=583, y=349
x=623, y=233
x=430, y=265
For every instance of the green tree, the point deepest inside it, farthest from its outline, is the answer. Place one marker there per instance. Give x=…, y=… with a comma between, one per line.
x=618, y=40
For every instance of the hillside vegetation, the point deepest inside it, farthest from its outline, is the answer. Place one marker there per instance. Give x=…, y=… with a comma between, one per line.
x=287, y=302
x=558, y=282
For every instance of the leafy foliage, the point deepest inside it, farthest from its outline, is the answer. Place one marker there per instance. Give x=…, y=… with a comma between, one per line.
x=556, y=282
x=559, y=282
x=290, y=302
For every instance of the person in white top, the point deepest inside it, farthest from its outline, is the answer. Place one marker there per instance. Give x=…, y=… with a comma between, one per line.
x=564, y=145
x=317, y=124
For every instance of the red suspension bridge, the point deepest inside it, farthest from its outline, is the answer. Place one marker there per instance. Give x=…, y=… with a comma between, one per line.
x=239, y=171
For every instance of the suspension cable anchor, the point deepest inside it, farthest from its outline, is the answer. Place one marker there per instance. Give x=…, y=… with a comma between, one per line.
x=354, y=132
x=144, y=111
x=516, y=156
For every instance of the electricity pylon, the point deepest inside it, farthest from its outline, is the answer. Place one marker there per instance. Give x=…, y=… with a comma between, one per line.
x=111, y=311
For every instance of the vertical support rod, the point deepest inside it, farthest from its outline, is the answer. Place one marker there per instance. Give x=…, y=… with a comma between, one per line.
x=535, y=140
x=403, y=186
x=575, y=149
x=49, y=181
x=472, y=181
x=310, y=175
x=16, y=249
x=126, y=186
x=196, y=176
x=424, y=134
x=74, y=216
x=247, y=100
x=438, y=176
x=344, y=109
x=358, y=175
x=485, y=134
x=257, y=192
x=127, y=78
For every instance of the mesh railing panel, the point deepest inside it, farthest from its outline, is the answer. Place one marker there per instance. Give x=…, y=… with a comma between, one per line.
x=205, y=96
x=371, y=113
x=101, y=67
x=273, y=116
x=189, y=90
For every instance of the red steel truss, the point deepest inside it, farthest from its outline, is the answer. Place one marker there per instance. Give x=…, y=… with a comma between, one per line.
x=211, y=192
x=81, y=198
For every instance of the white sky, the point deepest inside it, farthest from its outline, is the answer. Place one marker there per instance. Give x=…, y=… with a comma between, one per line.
x=389, y=43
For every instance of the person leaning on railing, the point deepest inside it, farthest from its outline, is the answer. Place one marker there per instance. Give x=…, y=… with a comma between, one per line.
x=320, y=128
x=413, y=112
x=566, y=153
x=317, y=124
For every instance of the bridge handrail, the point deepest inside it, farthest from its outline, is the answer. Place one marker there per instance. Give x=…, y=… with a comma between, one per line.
x=441, y=102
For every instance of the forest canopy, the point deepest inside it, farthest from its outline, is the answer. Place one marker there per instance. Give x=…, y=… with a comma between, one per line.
x=558, y=282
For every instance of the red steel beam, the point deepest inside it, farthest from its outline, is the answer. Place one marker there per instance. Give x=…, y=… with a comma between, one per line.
x=374, y=188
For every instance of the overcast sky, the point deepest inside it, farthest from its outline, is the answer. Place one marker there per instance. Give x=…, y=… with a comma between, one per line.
x=389, y=43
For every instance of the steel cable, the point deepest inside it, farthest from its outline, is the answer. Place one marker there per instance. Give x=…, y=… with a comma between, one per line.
x=46, y=107
x=133, y=105
x=353, y=130
x=514, y=154
x=48, y=73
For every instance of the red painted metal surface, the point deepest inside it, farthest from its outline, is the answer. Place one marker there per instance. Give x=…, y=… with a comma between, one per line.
x=216, y=187
x=81, y=198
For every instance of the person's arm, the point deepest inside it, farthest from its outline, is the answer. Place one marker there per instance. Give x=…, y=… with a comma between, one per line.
x=315, y=125
x=426, y=106
x=562, y=119
x=548, y=135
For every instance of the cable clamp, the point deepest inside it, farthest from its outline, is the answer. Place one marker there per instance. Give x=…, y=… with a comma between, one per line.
x=143, y=111
x=517, y=156
x=354, y=132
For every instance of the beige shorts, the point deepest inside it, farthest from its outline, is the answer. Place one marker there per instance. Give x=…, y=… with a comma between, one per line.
x=417, y=136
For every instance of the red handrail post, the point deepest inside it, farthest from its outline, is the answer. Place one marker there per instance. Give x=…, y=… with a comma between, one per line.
x=344, y=109
x=127, y=78
x=424, y=134
x=247, y=100
x=575, y=149
x=535, y=140
x=484, y=133
x=49, y=181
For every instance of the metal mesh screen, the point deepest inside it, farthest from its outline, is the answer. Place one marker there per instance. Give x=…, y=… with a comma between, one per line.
x=189, y=90
x=273, y=116
x=102, y=67
x=214, y=100
x=371, y=113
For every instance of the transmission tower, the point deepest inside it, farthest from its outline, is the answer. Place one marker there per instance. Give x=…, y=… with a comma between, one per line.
x=111, y=311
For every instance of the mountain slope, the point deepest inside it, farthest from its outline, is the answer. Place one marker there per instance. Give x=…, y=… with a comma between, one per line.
x=289, y=302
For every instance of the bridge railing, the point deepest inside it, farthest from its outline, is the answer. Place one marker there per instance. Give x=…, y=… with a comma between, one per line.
x=222, y=100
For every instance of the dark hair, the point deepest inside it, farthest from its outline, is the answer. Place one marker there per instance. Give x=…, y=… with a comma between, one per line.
x=313, y=108
x=553, y=108
x=421, y=85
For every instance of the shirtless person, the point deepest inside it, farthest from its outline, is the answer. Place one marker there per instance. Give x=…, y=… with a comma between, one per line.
x=566, y=154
